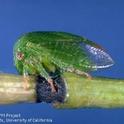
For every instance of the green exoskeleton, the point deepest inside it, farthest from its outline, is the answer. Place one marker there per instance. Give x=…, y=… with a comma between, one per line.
x=50, y=53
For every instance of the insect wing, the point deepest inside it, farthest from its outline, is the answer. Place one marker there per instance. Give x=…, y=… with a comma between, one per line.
x=98, y=57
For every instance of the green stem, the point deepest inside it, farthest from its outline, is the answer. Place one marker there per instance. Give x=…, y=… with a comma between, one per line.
x=98, y=92
x=81, y=92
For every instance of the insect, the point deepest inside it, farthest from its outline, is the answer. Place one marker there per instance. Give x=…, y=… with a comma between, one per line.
x=50, y=53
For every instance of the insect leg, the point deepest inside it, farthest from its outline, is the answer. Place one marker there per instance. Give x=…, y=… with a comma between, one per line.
x=45, y=74
x=83, y=74
x=26, y=79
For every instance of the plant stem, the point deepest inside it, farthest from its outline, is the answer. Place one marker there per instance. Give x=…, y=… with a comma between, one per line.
x=81, y=92
x=12, y=91
x=98, y=92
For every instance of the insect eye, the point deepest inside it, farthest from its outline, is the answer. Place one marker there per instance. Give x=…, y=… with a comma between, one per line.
x=19, y=55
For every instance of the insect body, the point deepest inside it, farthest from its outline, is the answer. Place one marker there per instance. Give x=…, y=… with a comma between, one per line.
x=50, y=53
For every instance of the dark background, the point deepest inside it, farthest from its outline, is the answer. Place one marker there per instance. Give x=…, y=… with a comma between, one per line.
x=99, y=20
